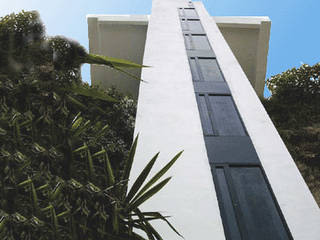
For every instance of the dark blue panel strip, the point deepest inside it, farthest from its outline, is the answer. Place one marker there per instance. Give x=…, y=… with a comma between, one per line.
x=260, y=214
x=227, y=205
x=204, y=116
x=200, y=42
x=226, y=119
x=231, y=150
x=210, y=70
x=216, y=88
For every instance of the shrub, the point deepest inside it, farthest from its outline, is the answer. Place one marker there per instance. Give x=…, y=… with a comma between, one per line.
x=64, y=155
x=294, y=109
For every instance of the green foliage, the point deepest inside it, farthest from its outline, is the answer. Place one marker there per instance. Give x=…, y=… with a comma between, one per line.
x=64, y=154
x=295, y=110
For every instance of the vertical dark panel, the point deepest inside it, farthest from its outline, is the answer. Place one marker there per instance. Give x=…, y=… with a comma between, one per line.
x=184, y=25
x=210, y=69
x=204, y=115
x=190, y=13
x=194, y=70
x=188, y=41
x=226, y=119
x=181, y=12
x=195, y=25
x=231, y=150
x=200, y=42
x=227, y=206
x=259, y=212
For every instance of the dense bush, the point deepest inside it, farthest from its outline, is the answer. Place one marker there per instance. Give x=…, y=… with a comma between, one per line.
x=64, y=155
x=294, y=108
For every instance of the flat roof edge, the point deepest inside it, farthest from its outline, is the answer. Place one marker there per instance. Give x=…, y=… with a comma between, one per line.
x=120, y=19
x=222, y=21
x=241, y=21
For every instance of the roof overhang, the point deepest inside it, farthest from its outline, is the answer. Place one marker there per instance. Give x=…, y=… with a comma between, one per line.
x=123, y=36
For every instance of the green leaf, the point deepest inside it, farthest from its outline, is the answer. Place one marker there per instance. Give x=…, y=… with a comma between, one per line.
x=90, y=164
x=149, y=229
x=115, y=219
x=34, y=197
x=28, y=181
x=129, y=74
x=63, y=214
x=110, y=236
x=76, y=117
x=93, y=188
x=56, y=191
x=82, y=148
x=81, y=129
x=77, y=123
x=38, y=148
x=142, y=226
x=76, y=102
x=148, y=194
x=111, y=62
x=101, y=132
x=158, y=175
x=3, y=132
x=99, y=153
x=46, y=208
x=111, y=178
x=42, y=187
x=128, y=164
x=75, y=183
x=158, y=215
x=54, y=219
x=142, y=177
x=3, y=221
x=92, y=92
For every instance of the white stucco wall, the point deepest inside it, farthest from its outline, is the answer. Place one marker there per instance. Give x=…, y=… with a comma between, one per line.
x=168, y=121
x=248, y=38
x=297, y=204
x=119, y=36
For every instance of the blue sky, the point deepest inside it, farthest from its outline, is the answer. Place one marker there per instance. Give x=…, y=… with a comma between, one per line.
x=294, y=37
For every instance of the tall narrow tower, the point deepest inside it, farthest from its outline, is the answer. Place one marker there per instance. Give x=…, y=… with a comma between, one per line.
x=236, y=179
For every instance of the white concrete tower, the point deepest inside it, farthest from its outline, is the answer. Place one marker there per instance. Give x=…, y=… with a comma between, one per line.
x=235, y=179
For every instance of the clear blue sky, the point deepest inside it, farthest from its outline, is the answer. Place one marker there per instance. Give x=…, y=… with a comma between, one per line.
x=294, y=37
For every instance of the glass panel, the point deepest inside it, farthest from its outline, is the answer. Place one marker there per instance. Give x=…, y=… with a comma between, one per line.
x=195, y=25
x=188, y=42
x=204, y=115
x=260, y=214
x=226, y=119
x=184, y=25
x=210, y=70
x=200, y=42
x=227, y=206
x=181, y=12
x=190, y=13
x=194, y=70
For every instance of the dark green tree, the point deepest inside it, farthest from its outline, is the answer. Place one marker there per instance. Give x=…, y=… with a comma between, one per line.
x=64, y=145
x=294, y=108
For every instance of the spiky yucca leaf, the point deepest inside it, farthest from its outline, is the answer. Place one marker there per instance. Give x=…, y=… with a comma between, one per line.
x=157, y=176
x=111, y=62
x=142, y=177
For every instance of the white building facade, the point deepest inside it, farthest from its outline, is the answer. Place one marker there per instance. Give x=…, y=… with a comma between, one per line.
x=235, y=179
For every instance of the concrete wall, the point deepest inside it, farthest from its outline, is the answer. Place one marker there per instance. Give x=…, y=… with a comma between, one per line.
x=168, y=121
x=123, y=36
x=120, y=37
x=296, y=202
